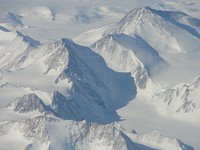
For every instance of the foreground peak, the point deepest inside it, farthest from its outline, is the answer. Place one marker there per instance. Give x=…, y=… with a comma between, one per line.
x=65, y=41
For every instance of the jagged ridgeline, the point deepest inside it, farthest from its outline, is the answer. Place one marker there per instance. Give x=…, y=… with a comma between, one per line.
x=66, y=96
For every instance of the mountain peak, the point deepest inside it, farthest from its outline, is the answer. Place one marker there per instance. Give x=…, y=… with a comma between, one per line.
x=64, y=42
x=129, y=23
x=27, y=103
x=77, y=135
x=181, y=98
x=28, y=39
x=142, y=10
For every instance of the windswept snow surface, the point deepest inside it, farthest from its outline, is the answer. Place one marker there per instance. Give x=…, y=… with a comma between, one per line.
x=133, y=85
x=75, y=17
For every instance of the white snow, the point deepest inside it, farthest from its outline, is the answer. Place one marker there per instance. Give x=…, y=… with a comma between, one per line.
x=127, y=83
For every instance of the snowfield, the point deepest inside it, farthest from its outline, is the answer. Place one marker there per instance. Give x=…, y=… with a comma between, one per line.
x=99, y=75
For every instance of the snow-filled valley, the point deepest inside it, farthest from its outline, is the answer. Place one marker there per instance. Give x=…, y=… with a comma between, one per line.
x=99, y=75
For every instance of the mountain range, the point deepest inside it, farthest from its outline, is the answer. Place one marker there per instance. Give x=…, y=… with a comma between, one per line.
x=62, y=95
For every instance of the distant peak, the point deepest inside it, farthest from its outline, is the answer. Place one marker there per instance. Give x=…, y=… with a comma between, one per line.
x=141, y=10
x=128, y=24
x=28, y=39
x=63, y=43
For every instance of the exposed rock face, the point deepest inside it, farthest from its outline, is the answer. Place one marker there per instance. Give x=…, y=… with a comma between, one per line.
x=154, y=138
x=73, y=135
x=91, y=90
x=54, y=133
x=28, y=103
x=180, y=98
x=67, y=108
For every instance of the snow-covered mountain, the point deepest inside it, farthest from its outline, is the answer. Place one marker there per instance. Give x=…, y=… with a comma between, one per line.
x=92, y=92
x=91, y=89
x=173, y=35
x=127, y=49
x=42, y=129
x=14, y=47
x=156, y=140
x=182, y=98
x=52, y=133
x=129, y=54
x=61, y=95
x=176, y=32
x=190, y=24
x=146, y=41
x=131, y=45
x=28, y=103
x=78, y=78
x=47, y=132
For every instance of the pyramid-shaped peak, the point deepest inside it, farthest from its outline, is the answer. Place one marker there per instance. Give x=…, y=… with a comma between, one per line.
x=142, y=10
x=63, y=42
x=138, y=13
x=66, y=40
x=27, y=103
x=129, y=23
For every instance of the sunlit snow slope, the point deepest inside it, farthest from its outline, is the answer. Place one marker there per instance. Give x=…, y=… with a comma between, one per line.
x=132, y=73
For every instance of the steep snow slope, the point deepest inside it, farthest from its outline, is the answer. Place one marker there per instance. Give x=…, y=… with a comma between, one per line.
x=47, y=132
x=115, y=45
x=67, y=82
x=28, y=103
x=189, y=23
x=14, y=46
x=176, y=31
x=147, y=22
x=58, y=134
x=155, y=139
x=180, y=99
x=130, y=54
x=148, y=56
x=121, y=59
x=86, y=71
x=174, y=35
x=91, y=36
x=81, y=78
